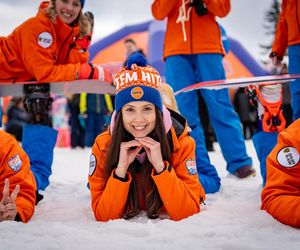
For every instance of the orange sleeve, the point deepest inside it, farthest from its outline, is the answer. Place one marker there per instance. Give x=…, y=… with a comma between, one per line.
x=76, y=55
x=40, y=62
x=79, y=50
x=281, y=194
x=180, y=190
x=218, y=8
x=108, y=200
x=15, y=166
x=281, y=36
x=161, y=8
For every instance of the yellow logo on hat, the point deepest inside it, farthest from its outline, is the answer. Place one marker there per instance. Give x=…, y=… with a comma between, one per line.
x=137, y=93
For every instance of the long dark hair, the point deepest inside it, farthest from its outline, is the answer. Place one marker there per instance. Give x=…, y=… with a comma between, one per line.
x=153, y=203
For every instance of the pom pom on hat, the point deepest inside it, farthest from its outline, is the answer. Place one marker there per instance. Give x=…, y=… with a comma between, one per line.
x=138, y=59
x=137, y=82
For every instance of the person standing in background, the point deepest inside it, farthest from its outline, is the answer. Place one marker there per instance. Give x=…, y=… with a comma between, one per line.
x=77, y=128
x=131, y=47
x=195, y=54
x=16, y=118
x=93, y=109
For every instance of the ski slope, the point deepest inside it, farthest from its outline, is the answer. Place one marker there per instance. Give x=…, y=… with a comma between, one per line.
x=231, y=219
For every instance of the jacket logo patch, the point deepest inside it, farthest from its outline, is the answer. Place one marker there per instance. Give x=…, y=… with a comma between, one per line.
x=15, y=163
x=288, y=157
x=191, y=166
x=92, y=164
x=45, y=40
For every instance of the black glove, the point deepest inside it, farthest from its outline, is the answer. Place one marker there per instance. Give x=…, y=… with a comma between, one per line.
x=200, y=7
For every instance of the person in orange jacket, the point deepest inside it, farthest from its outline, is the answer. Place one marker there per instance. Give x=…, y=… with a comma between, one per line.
x=281, y=194
x=17, y=183
x=39, y=49
x=288, y=36
x=145, y=160
x=193, y=52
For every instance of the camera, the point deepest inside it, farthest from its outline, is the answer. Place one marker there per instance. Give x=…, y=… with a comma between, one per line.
x=200, y=7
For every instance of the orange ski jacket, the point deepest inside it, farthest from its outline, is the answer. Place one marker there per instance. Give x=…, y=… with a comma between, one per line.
x=288, y=27
x=281, y=194
x=15, y=165
x=179, y=190
x=38, y=50
x=187, y=33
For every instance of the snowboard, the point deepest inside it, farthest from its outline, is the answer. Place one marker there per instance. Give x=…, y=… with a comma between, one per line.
x=60, y=88
x=240, y=82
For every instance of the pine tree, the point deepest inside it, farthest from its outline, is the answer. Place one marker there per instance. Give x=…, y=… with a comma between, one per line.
x=271, y=17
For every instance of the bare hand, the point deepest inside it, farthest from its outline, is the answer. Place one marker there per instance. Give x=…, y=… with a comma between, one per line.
x=128, y=152
x=276, y=61
x=153, y=152
x=8, y=208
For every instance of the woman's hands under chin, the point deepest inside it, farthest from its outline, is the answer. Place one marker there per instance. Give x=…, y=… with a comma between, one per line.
x=153, y=151
x=128, y=152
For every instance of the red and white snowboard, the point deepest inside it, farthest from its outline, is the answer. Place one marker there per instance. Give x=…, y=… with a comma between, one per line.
x=240, y=82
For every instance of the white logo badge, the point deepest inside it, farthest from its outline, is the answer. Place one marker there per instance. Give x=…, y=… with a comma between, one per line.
x=45, y=39
x=92, y=164
x=288, y=157
x=15, y=163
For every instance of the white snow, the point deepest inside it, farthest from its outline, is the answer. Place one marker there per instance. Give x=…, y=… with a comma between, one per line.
x=231, y=219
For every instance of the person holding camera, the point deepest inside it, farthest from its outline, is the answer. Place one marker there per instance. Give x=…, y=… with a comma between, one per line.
x=193, y=52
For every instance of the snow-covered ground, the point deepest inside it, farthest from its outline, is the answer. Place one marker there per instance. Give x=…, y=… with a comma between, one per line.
x=231, y=219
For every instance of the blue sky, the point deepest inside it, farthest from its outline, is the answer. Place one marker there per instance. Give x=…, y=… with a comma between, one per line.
x=244, y=23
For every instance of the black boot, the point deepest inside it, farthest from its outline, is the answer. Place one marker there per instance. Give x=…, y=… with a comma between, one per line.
x=37, y=103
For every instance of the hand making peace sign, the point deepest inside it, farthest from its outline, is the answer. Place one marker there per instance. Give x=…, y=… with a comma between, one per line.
x=8, y=208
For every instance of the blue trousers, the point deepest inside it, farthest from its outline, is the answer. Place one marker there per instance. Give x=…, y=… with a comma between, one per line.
x=93, y=127
x=264, y=142
x=38, y=142
x=294, y=68
x=185, y=70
